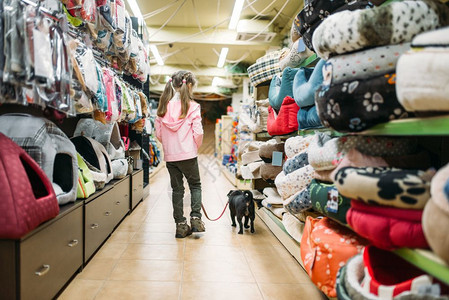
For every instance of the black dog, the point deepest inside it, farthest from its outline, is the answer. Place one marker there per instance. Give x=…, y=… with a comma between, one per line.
x=241, y=204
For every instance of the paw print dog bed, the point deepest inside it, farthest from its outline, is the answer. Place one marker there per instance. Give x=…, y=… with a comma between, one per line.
x=385, y=186
x=387, y=227
x=357, y=105
x=424, y=86
x=348, y=31
x=299, y=202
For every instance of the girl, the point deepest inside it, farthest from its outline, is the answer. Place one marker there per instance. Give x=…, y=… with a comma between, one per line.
x=179, y=129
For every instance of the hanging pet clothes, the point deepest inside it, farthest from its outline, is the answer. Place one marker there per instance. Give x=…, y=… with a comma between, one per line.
x=325, y=248
x=284, y=122
x=49, y=147
x=28, y=198
x=395, y=227
x=94, y=153
x=385, y=186
x=86, y=185
x=315, y=11
x=436, y=214
x=425, y=88
x=349, y=31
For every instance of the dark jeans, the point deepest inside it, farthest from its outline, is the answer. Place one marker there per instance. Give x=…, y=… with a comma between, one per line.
x=189, y=169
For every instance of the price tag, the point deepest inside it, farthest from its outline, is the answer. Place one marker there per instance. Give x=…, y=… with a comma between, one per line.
x=301, y=46
x=277, y=159
x=332, y=200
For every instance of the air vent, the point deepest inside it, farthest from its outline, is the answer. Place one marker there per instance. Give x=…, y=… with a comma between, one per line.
x=255, y=30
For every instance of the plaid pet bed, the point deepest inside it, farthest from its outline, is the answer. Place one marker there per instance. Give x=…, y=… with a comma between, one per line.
x=265, y=68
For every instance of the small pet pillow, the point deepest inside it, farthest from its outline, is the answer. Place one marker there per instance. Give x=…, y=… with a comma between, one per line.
x=305, y=84
x=283, y=87
x=297, y=144
x=308, y=118
x=297, y=162
x=294, y=182
x=385, y=186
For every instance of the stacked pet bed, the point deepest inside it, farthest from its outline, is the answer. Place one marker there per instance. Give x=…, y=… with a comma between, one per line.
x=325, y=248
x=264, y=69
x=315, y=11
x=285, y=121
x=273, y=202
x=424, y=87
x=49, y=147
x=268, y=171
x=251, y=161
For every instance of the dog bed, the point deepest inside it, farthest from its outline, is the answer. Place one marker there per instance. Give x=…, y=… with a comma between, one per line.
x=268, y=172
x=305, y=84
x=324, y=176
x=342, y=293
x=308, y=118
x=86, y=185
x=325, y=153
x=354, y=273
x=364, y=64
x=297, y=144
x=272, y=196
x=326, y=200
x=285, y=121
x=357, y=105
x=395, y=227
x=119, y=168
x=297, y=162
x=251, y=156
x=265, y=68
x=293, y=226
x=266, y=150
x=424, y=87
x=315, y=11
x=49, y=147
x=295, y=55
x=95, y=154
x=325, y=248
x=251, y=170
x=106, y=134
x=385, y=186
x=299, y=202
x=281, y=87
x=28, y=198
x=436, y=214
x=348, y=31
x=288, y=185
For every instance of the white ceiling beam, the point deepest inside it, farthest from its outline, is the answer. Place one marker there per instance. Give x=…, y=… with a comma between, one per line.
x=185, y=35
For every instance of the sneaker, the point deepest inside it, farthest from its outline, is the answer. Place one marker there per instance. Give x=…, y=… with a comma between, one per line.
x=182, y=230
x=197, y=225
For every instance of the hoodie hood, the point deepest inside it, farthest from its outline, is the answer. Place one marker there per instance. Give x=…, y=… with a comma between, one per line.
x=171, y=119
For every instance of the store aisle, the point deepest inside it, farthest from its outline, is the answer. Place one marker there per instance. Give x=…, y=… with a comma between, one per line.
x=143, y=260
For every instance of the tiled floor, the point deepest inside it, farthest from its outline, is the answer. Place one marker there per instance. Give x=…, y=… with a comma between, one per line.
x=143, y=260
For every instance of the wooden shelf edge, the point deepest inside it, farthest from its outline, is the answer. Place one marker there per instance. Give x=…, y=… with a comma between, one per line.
x=279, y=231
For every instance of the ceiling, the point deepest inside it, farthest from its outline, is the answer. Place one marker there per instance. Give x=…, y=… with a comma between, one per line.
x=189, y=34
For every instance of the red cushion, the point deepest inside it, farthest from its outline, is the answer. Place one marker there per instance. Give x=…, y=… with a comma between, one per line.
x=387, y=227
x=286, y=121
x=28, y=198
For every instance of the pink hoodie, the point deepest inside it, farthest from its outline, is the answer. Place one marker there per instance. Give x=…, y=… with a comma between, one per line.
x=180, y=138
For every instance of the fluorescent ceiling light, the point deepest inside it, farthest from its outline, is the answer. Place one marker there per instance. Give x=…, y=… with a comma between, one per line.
x=215, y=81
x=238, y=6
x=222, y=58
x=136, y=10
x=157, y=56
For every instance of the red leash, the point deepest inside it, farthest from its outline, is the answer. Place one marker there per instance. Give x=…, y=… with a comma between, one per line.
x=222, y=213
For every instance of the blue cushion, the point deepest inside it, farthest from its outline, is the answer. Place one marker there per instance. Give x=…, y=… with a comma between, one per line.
x=296, y=162
x=273, y=92
x=285, y=88
x=305, y=84
x=308, y=118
